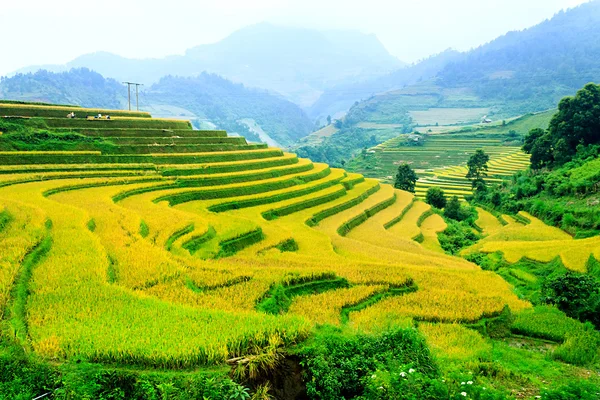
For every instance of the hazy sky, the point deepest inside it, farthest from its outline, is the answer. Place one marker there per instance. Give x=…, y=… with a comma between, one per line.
x=56, y=31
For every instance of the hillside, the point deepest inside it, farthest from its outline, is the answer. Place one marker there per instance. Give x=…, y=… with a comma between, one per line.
x=519, y=73
x=139, y=254
x=439, y=154
x=233, y=107
x=297, y=63
x=337, y=100
x=209, y=100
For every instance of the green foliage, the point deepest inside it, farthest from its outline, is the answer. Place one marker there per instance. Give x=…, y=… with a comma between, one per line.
x=457, y=236
x=410, y=384
x=456, y=211
x=477, y=167
x=23, y=379
x=144, y=229
x=577, y=295
x=573, y=127
x=580, y=390
x=91, y=224
x=339, y=367
x=406, y=178
x=435, y=197
x=581, y=347
x=288, y=245
x=321, y=215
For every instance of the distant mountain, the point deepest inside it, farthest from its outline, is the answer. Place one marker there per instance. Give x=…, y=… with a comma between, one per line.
x=208, y=100
x=250, y=112
x=295, y=62
x=78, y=86
x=531, y=70
x=338, y=100
x=518, y=73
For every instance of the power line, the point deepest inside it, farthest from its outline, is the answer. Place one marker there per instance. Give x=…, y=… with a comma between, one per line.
x=137, y=99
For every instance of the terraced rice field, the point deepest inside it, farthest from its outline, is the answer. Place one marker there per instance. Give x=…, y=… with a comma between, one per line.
x=137, y=250
x=441, y=161
x=530, y=238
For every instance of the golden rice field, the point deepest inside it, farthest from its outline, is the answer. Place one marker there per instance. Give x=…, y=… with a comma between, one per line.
x=162, y=259
x=533, y=240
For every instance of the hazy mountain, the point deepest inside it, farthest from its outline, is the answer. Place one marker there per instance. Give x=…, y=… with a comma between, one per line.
x=206, y=99
x=78, y=86
x=518, y=73
x=533, y=69
x=298, y=63
x=249, y=112
x=338, y=100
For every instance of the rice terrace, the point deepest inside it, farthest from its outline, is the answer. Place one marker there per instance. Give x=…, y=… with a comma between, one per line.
x=297, y=214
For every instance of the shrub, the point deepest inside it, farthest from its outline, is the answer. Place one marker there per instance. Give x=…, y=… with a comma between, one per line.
x=435, y=197
x=338, y=366
x=457, y=236
x=577, y=295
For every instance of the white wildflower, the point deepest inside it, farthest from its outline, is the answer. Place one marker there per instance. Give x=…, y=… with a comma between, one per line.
x=410, y=371
x=403, y=374
x=470, y=383
x=464, y=393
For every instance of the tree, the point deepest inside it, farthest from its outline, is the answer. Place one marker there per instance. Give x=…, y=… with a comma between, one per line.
x=329, y=120
x=406, y=178
x=452, y=209
x=435, y=197
x=477, y=166
x=575, y=125
x=577, y=295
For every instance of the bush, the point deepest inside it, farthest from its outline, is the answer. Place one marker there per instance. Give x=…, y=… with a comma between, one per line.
x=339, y=367
x=577, y=295
x=454, y=210
x=435, y=197
x=457, y=236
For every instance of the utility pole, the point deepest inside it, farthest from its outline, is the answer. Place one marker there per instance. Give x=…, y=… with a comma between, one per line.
x=137, y=98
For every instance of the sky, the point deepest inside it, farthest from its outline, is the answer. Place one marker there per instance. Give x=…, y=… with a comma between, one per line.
x=57, y=31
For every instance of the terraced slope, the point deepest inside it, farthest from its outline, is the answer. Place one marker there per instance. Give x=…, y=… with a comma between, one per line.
x=125, y=252
x=528, y=237
x=440, y=160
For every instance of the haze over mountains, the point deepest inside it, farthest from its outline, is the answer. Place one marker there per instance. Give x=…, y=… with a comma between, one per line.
x=296, y=63
x=339, y=72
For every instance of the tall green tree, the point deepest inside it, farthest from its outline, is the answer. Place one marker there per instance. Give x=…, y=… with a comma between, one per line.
x=477, y=166
x=435, y=197
x=406, y=178
x=575, y=125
